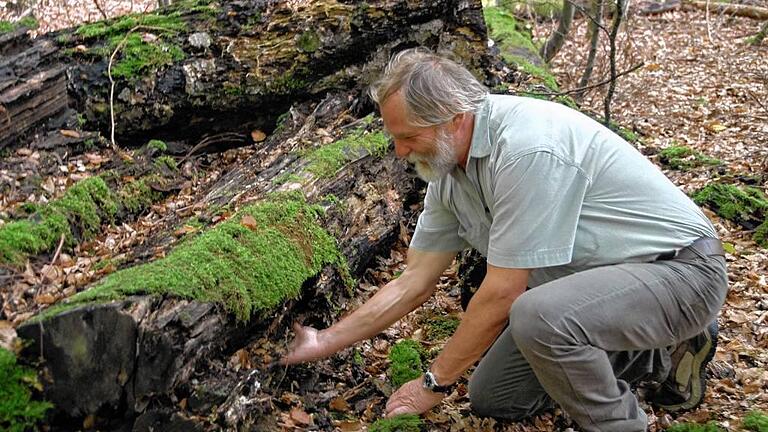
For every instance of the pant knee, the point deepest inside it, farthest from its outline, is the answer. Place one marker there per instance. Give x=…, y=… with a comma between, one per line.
x=528, y=321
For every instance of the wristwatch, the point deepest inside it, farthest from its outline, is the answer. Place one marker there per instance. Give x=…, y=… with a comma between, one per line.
x=430, y=383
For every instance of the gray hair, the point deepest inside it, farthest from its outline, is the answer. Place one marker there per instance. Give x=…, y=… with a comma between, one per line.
x=434, y=88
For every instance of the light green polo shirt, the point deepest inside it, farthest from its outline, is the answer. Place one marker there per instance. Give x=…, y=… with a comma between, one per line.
x=550, y=189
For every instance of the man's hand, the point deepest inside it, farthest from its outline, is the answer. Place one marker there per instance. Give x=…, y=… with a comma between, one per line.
x=309, y=345
x=412, y=398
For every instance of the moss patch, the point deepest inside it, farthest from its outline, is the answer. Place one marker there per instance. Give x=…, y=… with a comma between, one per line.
x=326, y=160
x=692, y=427
x=401, y=423
x=249, y=264
x=308, y=41
x=138, y=54
x=756, y=421
x=746, y=205
x=405, y=362
x=18, y=412
x=505, y=30
x=441, y=326
x=79, y=213
x=157, y=145
x=27, y=22
x=685, y=158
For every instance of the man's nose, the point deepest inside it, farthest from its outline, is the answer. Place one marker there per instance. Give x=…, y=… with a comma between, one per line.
x=401, y=150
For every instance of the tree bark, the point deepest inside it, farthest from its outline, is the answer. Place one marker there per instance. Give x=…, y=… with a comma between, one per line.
x=556, y=40
x=243, y=64
x=131, y=362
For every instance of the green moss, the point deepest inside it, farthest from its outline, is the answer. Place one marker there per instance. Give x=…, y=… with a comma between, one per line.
x=693, y=427
x=136, y=56
x=165, y=161
x=761, y=234
x=568, y=101
x=401, y=423
x=232, y=89
x=137, y=196
x=756, y=421
x=80, y=211
x=250, y=264
x=732, y=202
x=405, y=362
x=506, y=31
x=158, y=145
x=538, y=72
x=308, y=41
x=287, y=177
x=26, y=22
x=441, y=327
x=325, y=161
x=685, y=158
x=18, y=412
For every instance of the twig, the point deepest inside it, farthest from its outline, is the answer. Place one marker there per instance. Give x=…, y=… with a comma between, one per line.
x=759, y=102
x=53, y=261
x=612, y=86
x=589, y=87
x=101, y=10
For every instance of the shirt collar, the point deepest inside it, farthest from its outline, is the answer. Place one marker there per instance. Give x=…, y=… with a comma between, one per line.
x=481, y=144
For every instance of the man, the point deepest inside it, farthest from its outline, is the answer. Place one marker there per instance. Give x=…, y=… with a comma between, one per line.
x=625, y=271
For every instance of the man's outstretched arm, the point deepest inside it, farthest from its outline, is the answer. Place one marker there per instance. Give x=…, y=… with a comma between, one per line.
x=392, y=302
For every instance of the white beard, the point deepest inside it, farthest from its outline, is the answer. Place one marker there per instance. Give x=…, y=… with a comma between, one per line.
x=441, y=163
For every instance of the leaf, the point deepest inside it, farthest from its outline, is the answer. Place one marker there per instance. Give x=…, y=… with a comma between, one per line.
x=716, y=127
x=300, y=416
x=249, y=222
x=350, y=426
x=258, y=136
x=69, y=133
x=339, y=404
x=45, y=299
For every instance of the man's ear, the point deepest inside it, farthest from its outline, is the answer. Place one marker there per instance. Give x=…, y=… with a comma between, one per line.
x=457, y=120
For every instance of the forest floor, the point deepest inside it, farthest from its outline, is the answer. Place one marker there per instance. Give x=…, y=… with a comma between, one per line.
x=702, y=86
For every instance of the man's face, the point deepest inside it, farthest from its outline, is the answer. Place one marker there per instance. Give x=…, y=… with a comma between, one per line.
x=430, y=149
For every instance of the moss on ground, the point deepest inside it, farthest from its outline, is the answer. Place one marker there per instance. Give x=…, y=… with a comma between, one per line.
x=18, y=412
x=138, y=196
x=166, y=162
x=249, y=264
x=685, y=158
x=756, y=421
x=441, y=326
x=405, y=362
x=325, y=161
x=157, y=145
x=138, y=55
x=743, y=205
x=693, y=427
x=401, y=423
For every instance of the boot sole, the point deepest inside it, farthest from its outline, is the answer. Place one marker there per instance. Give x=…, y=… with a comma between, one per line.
x=699, y=374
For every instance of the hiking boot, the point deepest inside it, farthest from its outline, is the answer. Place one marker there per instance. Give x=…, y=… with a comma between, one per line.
x=684, y=387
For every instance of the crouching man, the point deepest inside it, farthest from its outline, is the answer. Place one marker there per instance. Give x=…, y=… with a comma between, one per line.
x=626, y=273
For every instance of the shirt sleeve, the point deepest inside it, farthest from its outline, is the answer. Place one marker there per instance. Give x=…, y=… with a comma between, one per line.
x=437, y=228
x=537, y=203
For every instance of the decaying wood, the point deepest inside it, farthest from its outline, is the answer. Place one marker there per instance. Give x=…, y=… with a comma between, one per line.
x=748, y=11
x=131, y=362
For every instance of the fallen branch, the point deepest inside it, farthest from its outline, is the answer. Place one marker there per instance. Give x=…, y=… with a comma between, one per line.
x=748, y=11
x=589, y=87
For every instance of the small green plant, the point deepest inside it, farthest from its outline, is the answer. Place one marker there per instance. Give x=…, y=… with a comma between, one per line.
x=693, y=427
x=157, y=145
x=441, y=326
x=308, y=41
x=287, y=177
x=80, y=120
x=166, y=161
x=405, y=362
x=756, y=421
x=401, y=423
x=685, y=158
x=18, y=412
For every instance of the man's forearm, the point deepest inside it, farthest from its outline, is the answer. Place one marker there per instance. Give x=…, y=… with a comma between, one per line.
x=486, y=317
x=392, y=302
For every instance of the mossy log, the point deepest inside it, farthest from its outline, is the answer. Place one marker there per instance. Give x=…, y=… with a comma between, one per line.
x=137, y=344
x=203, y=67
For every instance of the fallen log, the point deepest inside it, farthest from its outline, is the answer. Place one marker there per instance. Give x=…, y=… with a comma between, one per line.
x=748, y=11
x=141, y=347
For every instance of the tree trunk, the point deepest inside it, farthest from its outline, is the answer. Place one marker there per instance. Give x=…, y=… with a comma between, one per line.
x=162, y=362
x=557, y=38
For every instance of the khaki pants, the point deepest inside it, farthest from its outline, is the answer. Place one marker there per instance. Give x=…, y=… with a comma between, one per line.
x=583, y=339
